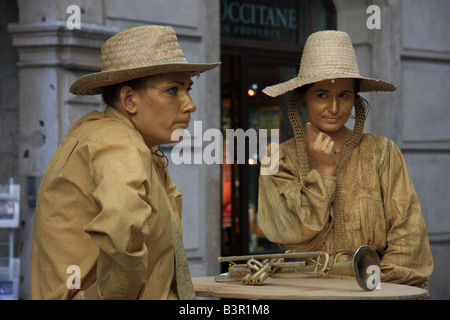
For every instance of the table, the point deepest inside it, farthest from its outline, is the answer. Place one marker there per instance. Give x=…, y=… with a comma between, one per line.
x=303, y=289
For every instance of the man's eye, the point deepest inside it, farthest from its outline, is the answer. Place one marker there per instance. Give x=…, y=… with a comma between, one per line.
x=322, y=95
x=173, y=90
x=189, y=89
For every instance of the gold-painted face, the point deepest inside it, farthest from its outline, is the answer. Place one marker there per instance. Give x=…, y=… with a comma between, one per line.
x=329, y=104
x=162, y=107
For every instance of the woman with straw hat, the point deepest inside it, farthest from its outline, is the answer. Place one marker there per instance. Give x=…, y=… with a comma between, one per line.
x=108, y=217
x=337, y=188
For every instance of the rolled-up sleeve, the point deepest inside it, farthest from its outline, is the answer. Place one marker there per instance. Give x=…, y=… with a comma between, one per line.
x=120, y=173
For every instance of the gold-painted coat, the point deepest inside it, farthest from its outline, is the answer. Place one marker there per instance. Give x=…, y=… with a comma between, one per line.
x=104, y=206
x=380, y=205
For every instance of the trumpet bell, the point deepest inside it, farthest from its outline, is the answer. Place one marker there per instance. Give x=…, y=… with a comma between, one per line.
x=366, y=267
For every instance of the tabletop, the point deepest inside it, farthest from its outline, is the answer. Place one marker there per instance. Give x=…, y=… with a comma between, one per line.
x=302, y=288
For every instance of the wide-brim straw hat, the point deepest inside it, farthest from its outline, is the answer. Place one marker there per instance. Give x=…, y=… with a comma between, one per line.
x=136, y=53
x=328, y=55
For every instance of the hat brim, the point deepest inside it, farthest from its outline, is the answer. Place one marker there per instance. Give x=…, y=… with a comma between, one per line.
x=366, y=84
x=92, y=84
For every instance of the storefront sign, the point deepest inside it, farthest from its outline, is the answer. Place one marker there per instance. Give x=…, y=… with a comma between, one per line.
x=276, y=22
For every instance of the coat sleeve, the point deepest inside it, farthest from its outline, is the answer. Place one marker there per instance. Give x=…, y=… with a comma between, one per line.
x=120, y=172
x=292, y=210
x=407, y=258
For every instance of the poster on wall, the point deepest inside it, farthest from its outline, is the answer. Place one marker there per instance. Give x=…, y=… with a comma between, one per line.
x=9, y=205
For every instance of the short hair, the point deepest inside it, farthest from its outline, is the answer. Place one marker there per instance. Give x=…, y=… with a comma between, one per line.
x=110, y=94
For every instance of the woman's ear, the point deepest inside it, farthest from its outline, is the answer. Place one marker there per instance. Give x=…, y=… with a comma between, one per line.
x=302, y=99
x=127, y=96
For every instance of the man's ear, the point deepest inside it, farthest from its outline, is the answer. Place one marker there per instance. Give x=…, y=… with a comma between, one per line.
x=127, y=96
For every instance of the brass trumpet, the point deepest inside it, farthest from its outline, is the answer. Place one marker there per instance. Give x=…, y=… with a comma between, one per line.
x=255, y=269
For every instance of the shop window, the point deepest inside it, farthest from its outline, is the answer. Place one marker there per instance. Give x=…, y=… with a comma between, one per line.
x=261, y=45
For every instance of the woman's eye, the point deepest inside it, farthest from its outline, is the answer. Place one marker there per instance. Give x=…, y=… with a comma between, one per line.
x=173, y=91
x=189, y=89
x=322, y=95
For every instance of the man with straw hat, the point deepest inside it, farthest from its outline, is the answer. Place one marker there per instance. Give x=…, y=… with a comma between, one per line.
x=337, y=188
x=108, y=216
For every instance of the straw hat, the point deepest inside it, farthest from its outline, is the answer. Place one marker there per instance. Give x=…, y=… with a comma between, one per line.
x=135, y=53
x=328, y=55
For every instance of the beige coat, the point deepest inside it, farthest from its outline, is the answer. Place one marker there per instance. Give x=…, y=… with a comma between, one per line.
x=381, y=209
x=104, y=205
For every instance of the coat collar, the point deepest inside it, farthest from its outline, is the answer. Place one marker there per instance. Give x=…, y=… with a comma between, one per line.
x=114, y=113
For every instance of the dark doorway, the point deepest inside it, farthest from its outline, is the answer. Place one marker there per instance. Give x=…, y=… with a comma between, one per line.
x=261, y=46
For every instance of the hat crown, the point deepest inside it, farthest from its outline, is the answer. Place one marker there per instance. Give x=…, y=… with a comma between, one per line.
x=139, y=47
x=328, y=55
x=328, y=52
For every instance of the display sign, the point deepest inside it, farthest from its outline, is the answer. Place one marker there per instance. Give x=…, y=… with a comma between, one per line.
x=276, y=22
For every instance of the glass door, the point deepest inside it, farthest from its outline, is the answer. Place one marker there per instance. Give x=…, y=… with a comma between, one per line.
x=261, y=43
x=246, y=107
x=268, y=113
